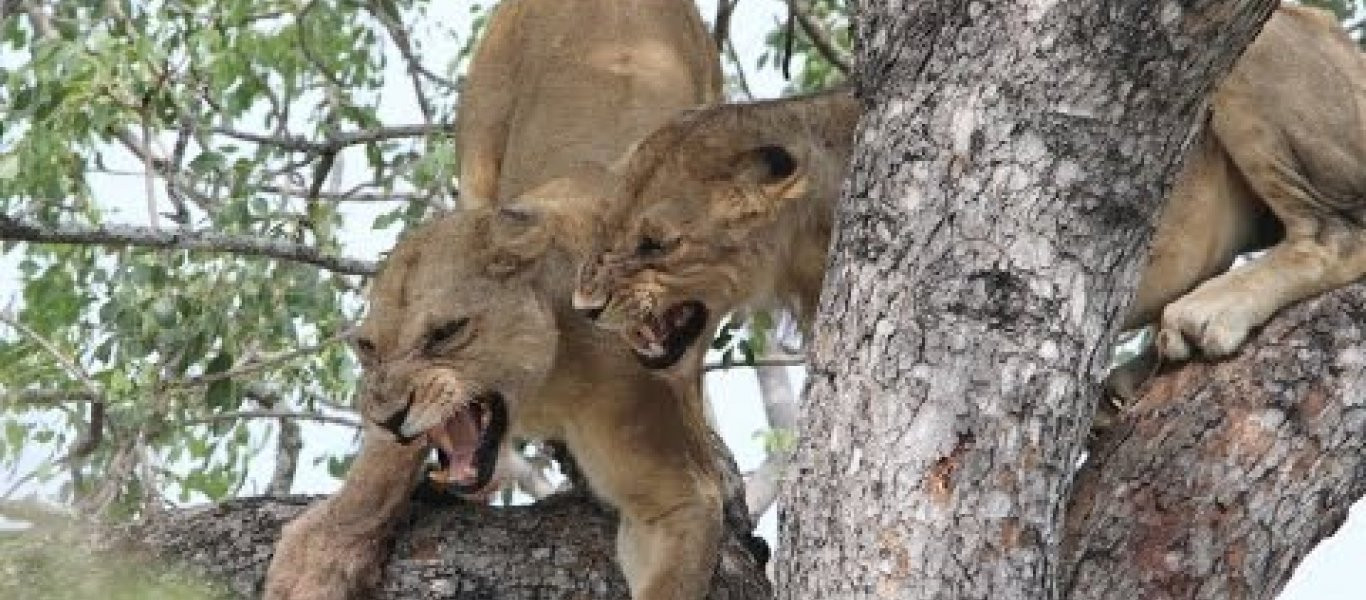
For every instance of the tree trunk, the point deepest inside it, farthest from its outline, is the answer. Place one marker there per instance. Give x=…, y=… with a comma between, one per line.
x=562, y=547
x=1222, y=477
x=1012, y=159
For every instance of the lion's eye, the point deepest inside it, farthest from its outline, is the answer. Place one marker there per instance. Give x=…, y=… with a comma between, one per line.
x=439, y=336
x=365, y=350
x=649, y=247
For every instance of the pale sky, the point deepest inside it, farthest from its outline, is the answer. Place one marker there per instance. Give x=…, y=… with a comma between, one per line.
x=1334, y=571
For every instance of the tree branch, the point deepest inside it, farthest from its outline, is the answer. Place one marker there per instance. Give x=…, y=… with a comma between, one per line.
x=272, y=414
x=45, y=397
x=1223, y=476
x=450, y=549
x=24, y=230
x=780, y=406
x=94, y=432
x=335, y=143
x=819, y=38
x=258, y=364
x=289, y=443
x=770, y=361
x=720, y=28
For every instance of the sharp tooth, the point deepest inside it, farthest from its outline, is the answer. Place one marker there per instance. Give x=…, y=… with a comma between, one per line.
x=655, y=350
x=421, y=419
x=583, y=301
x=647, y=334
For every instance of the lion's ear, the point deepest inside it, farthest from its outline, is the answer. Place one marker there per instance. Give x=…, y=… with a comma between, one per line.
x=517, y=237
x=778, y=171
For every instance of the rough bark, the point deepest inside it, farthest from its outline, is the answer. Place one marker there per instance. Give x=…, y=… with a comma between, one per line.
x=559, y=548
x=1222, y=477
x=1005, y=178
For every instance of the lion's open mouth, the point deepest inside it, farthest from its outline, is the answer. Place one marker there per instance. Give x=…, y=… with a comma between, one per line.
x=467, y=444
x=661, y=340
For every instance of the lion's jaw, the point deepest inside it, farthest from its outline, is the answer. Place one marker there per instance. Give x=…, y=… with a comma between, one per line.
x=434, y=405
x=665, y=306
x=450, y=347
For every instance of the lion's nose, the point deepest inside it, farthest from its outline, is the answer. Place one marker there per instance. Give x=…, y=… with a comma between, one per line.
x=394, y=424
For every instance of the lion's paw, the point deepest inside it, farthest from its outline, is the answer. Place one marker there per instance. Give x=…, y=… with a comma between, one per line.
x=1214, y=324
x=313, y=562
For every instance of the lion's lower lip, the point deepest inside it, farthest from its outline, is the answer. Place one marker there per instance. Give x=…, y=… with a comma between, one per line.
x=660, y=341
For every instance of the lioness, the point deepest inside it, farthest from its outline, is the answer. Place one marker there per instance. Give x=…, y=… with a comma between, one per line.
x=733, y=204
x=469, y=338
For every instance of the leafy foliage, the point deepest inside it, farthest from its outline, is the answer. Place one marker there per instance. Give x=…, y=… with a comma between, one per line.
x=260, y=119
x=810, y=70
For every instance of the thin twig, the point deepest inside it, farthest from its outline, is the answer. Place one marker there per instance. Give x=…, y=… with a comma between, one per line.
x=339, y=141
x=777, y=361
x=25, y=230
x=258, y=364
x=739, y=70
x=352, y=195
x=271, y=414
x=35, y=398
x=720, y=31
x=405, y=49
x=93, y=434
x=819, y=38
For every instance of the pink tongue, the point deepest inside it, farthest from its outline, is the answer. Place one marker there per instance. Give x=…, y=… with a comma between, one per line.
x=464, y=440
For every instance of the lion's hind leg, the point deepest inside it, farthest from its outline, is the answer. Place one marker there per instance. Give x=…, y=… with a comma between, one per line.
x=1324, y=248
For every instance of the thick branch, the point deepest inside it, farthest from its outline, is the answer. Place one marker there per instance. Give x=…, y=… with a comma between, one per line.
x=1224, y=476
x=780, y=406
x=24, y=230
x=559, y=548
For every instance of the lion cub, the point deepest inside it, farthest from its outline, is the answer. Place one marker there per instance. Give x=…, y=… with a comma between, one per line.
x=733, y=205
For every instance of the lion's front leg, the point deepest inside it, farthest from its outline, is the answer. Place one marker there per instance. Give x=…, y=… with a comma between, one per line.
x=645, y=461
x=335, y=549
x=670, y=552
x=1218, y=316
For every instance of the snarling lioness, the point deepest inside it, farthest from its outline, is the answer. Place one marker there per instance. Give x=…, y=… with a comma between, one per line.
x=469, y=339
x=733, y=205
x=722, y=207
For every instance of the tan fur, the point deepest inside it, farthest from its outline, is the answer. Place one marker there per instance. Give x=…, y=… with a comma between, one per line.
x=556, y=90
x=1289, y=146
x=1286, y=149
x=733, y=232
x=556, y=83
